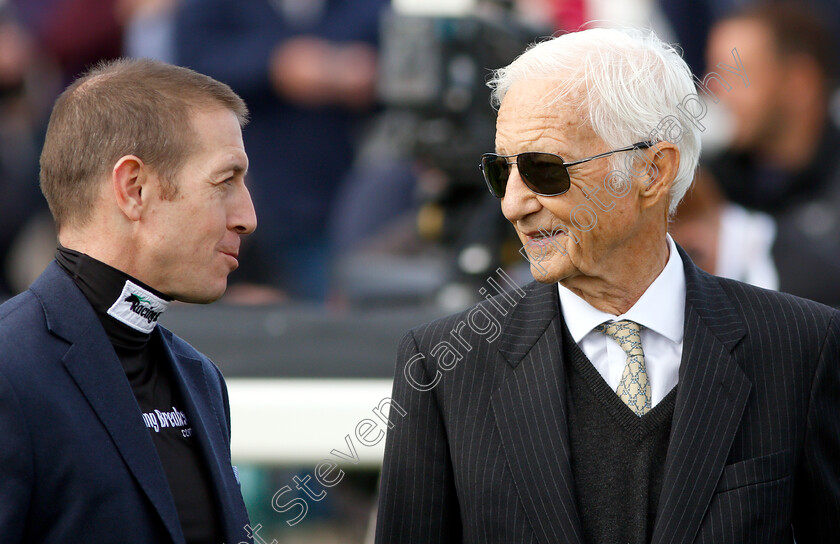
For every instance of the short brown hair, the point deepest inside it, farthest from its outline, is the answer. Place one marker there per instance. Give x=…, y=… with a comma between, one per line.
x=123, y=107
x=797, y=29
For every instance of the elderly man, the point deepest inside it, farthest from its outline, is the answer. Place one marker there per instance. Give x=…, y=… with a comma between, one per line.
x=629, y=396
x=114, y=429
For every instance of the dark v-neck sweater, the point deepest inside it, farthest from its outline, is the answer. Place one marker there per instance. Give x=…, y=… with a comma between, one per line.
x=617, y=457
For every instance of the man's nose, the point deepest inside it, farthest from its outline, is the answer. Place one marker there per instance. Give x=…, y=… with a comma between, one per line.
x=519, y=201
x=244, y=216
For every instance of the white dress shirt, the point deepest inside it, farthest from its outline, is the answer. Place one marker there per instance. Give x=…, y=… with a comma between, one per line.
x=660, y=309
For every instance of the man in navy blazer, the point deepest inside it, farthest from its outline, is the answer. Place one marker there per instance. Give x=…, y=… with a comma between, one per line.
x=627, y=396
x=114, y=429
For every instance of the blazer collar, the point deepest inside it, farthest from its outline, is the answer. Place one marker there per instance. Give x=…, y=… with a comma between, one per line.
x=712, y=304
x=94, y=366
x=712, y=394
x=97, y=371
x=530, y=410
x=528, y=321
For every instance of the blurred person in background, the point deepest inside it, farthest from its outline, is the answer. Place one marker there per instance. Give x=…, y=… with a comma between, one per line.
x=58, y=40
x=690, y=22
x=728, y=240
x=784, y=155
x=75, y=33
x=307, y=69
x=27, y=87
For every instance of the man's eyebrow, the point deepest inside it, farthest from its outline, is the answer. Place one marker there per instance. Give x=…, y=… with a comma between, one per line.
x=237, y=169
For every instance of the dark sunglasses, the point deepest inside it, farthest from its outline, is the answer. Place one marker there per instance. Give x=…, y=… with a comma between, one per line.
x=546, y=174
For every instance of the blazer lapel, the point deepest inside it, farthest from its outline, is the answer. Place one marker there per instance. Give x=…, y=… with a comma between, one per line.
x=95, y=368
x=530, y=412
x=192, y=382
x=711, y=396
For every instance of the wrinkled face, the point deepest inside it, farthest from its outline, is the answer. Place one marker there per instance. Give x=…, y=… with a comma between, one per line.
x=193, y=239
x=589, y=234
x=756, y=109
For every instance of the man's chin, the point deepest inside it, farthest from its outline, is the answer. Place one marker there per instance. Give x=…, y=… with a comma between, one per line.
x=202, y=296
x=549, y=272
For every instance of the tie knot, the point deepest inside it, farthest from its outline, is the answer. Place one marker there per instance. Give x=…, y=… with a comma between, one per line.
x=627, y=333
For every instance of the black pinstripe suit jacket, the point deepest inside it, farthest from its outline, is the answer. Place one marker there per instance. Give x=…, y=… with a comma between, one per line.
x=482, y=451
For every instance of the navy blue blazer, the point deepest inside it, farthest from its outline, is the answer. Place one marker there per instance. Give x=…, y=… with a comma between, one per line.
x=77, y=463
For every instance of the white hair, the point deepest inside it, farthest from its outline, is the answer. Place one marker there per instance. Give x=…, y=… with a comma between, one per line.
x=625, y=80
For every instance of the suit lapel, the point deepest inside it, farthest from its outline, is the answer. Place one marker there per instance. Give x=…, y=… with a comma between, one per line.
x=530, y=412
x=189, y=374
x=97, y=371
x=711, y=396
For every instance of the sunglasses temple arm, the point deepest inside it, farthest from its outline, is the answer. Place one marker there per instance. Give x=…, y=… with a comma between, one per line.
x=639, y=145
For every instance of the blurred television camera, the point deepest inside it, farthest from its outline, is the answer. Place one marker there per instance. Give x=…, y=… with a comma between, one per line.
x=436, y=57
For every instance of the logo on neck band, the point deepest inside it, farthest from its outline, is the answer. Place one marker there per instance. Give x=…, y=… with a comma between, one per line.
x=138, y=308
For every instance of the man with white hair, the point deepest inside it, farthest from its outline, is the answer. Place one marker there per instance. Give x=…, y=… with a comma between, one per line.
x=627, y=396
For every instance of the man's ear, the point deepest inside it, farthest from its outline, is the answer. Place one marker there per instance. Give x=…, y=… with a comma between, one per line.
x=129, y=179
x=664, y=158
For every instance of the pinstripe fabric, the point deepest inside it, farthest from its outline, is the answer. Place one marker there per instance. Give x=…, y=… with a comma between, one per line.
x=754, y=453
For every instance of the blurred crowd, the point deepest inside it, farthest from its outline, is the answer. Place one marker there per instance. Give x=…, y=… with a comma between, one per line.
x=363, y=196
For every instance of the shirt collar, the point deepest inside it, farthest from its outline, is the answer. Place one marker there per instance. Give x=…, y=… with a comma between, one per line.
x=661, y=308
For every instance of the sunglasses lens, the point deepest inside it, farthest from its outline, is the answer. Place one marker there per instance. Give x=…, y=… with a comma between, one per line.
x=544, y=173
x=496, y=172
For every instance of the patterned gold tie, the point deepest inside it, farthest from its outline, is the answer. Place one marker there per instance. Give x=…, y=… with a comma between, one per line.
x=634, y=388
